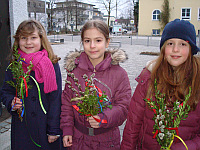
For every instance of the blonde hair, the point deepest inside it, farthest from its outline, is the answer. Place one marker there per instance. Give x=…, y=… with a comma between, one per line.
x=175, y=83
x=26, y=28
x=100, y=25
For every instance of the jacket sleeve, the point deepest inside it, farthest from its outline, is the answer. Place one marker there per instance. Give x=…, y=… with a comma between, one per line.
x=120, y=102
x=67, y=114
x=190, y=130
x=7, y=91
x=135, y=116
x=54, y=98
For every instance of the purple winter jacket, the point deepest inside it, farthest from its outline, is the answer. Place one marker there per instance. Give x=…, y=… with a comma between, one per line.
x=139, y=126
x=118, y=90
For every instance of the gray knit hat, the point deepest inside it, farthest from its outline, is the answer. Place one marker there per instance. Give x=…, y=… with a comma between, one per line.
x=180, y=29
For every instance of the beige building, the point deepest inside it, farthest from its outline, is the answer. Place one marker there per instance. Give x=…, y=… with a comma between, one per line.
x=149, y=13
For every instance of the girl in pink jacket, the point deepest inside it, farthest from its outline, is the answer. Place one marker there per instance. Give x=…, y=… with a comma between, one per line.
x=175, y=70
x=79, y=131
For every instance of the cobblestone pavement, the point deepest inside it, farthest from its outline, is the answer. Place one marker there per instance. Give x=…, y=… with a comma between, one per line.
x=133, y=66
x=5, y=125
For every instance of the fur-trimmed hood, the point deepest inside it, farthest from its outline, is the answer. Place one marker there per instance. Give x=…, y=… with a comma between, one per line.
x=117, y=55
x=150, y=65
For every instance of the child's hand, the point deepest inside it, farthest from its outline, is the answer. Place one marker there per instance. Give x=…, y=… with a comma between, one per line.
x=18, y=103
x=67, y=141
x=52, y=138
x=93, y=122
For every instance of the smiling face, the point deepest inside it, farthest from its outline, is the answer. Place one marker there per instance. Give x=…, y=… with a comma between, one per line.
x=31, y=43
x=95, y=44
x=176, y=51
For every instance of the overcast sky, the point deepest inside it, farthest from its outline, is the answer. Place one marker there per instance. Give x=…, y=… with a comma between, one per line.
x=122, y=6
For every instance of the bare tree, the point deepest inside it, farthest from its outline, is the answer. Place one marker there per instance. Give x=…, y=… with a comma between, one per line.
x=51, y=6
x=110, y=5
x=126, y=12
x=136, y=13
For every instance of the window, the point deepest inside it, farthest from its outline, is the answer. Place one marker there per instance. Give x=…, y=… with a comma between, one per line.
x=199, y=14
x=156, y=31
x=186, y=13
x=156, y=15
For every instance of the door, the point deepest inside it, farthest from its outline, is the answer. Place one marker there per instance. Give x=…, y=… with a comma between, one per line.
x=4, y=38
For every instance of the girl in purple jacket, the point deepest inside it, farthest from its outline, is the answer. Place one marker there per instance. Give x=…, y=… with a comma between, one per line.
x=37, y=130
x=85, y=133
x=176, y=69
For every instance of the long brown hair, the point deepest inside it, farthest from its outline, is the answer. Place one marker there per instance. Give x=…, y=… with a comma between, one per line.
x=26, y=28
x=175, y=83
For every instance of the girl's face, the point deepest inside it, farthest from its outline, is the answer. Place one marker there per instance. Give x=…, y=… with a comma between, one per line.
x=95, y=44
x=30, y=44
x=176, y=51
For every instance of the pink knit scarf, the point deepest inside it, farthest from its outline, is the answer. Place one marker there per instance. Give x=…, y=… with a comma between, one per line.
x=43, y=67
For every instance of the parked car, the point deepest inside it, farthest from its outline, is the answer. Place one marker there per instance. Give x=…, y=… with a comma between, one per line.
x=124, y=30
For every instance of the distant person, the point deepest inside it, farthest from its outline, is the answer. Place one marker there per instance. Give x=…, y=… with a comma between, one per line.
x=110, y=30
x=175, y=70
x=80, y=132
x=37, y=128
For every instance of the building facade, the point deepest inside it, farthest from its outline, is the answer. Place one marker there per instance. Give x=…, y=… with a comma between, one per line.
x=36, y=9
x=63, y=15
x=149, y=14
x=73, y=13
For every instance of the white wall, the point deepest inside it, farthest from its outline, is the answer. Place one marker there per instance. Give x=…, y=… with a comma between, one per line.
x=18, y=13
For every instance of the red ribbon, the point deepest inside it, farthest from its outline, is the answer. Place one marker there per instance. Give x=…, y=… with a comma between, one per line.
x=99, y=90
x=181, y=105
x=154, y=136
x=154, y=110
x=176, y=129
x=26, y=87
x=98, y=120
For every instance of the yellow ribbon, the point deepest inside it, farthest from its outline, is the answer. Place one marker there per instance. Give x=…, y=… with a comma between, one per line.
x=179, y=139
x=39, y=94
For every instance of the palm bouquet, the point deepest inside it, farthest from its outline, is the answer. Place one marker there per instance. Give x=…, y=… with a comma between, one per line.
x=92, y=100
x=21, y=79
x=167, y=120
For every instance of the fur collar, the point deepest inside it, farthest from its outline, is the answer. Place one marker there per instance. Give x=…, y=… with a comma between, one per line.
x=150, y=65
x=118, y=56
